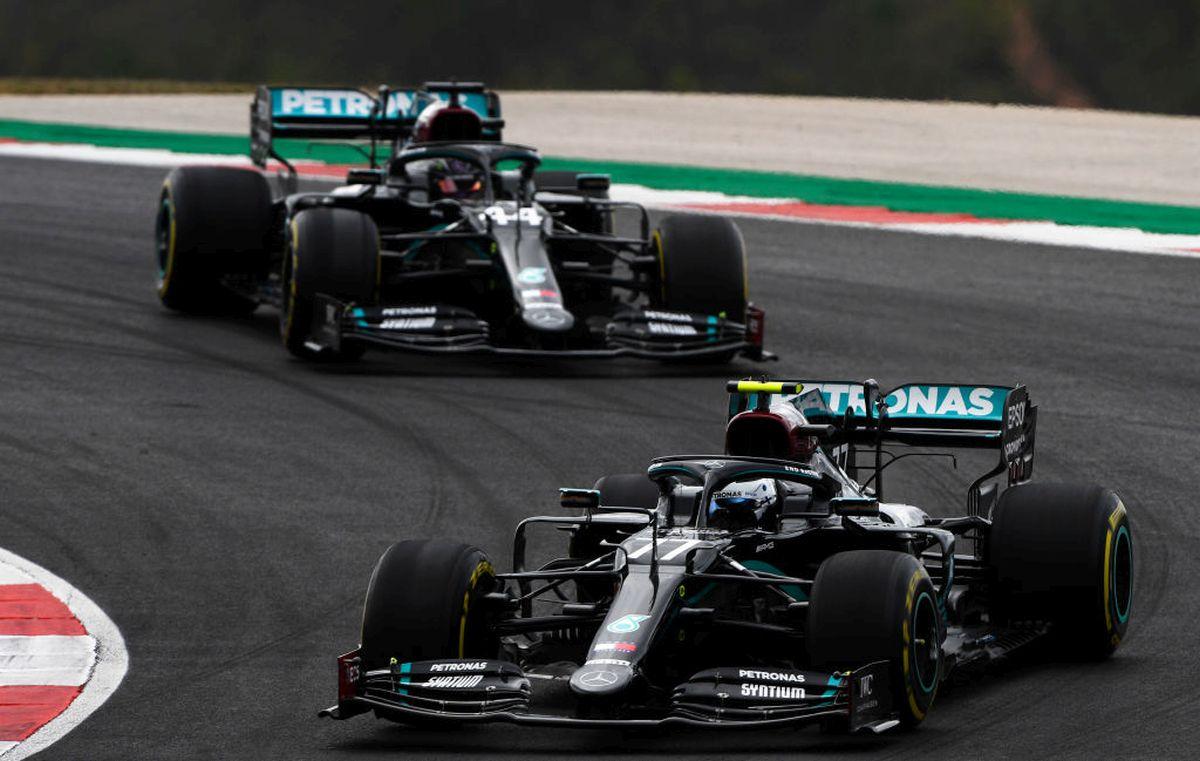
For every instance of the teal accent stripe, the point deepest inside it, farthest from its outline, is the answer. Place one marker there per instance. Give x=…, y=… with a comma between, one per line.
x=760, y=565
x=1122, y=616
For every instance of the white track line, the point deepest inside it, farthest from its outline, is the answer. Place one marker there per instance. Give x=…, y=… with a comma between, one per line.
x=110, y=660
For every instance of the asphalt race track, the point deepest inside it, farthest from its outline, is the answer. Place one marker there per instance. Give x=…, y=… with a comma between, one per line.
x=225, y=503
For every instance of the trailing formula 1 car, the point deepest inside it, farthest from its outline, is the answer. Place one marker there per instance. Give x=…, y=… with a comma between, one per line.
x=450, y=241
x=762, y=586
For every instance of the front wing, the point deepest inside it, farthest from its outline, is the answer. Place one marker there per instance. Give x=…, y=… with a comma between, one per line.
x=488, y=691
x=445, y=329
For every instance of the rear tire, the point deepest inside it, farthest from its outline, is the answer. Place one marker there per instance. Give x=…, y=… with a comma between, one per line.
x=1063, y=553
x=330, y=251
x=875, y=605
x=211, y=222
x=627, y=490
x=424, y=603
x=702, y=266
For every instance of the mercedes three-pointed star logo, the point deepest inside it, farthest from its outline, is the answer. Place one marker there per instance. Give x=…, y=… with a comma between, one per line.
x=599, y=678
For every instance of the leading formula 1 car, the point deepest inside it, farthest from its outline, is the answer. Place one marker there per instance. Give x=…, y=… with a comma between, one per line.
x=451, y=241
x=761, y=586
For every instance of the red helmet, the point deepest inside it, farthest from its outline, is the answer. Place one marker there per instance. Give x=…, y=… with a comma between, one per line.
x=441, y=121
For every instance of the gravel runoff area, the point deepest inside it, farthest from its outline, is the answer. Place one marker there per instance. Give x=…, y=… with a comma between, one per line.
x=1102, y=154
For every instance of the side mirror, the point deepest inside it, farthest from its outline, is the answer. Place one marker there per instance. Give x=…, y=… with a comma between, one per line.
x=857, y=507
x=579, y=499
x=364, y=177
x=595, y=183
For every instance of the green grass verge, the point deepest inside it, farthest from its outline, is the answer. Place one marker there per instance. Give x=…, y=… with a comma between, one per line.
x=822, y=190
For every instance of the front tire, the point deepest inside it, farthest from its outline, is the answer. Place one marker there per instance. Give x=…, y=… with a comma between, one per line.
x=331, y=251
x=424, y=603
x=211, y=222
x=1063, y=554
x=876, y=605
x=702, y=266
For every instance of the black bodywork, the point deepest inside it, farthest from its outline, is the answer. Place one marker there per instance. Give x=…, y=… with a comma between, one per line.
x=654, y=616
x=511, y=268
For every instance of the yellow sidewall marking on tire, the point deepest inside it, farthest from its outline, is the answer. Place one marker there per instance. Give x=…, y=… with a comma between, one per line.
x=917, y=713
x=1108, y=535
x=484, y=567
x=1114, y=519
x=662, y=263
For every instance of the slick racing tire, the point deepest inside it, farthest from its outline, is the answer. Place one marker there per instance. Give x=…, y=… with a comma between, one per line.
x=627, y=490
x=1063, y=554
x=212, y=222
x=330, y=251
x=878, y=605
x=702, y=266
x=423, y=603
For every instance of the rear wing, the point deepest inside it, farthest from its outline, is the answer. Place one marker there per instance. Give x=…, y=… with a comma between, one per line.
x=347, y=114
x=917, y=414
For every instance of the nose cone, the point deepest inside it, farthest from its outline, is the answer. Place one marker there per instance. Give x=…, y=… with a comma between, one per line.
x=601, y=680
x=549, y=319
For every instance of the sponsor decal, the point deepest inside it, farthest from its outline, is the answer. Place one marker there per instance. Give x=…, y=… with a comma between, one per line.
x=606, y=662
x=352, y=104
x=459, y=666
x=628, y=623
x=763, y=548
x=866, y=685
x=408, y=323
x=670, y=329
x=624, y=647
x=937, y=401
x=539, y=293
x=770, y=676
x=408, y=311
x=864, y=700
x=774, y=691
x=667, y=316
x=532, y=275
x=464, y=681
x=348, y=104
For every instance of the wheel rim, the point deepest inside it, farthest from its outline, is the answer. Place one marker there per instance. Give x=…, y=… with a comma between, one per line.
x=1122, y=572
x=926, y=650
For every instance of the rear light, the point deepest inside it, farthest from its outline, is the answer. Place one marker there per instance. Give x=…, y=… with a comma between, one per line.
x=754, y=326
x=348, y=674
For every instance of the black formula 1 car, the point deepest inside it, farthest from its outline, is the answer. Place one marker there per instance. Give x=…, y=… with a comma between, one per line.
x=758, y=587
x=451, y=241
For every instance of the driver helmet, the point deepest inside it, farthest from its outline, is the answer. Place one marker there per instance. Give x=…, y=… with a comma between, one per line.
x=440, y=122
x=741, y=505
x=454, y=178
